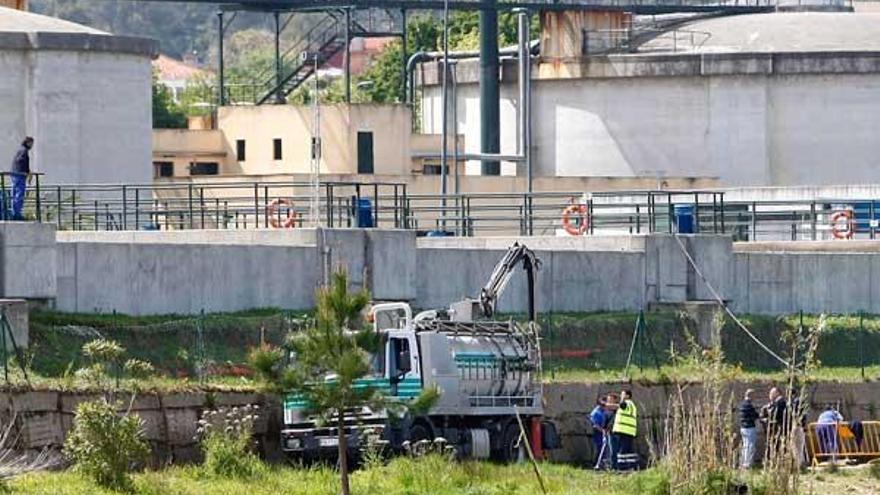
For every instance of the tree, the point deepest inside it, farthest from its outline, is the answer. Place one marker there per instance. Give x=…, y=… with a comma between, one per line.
x=166, y=113
x=332, y=362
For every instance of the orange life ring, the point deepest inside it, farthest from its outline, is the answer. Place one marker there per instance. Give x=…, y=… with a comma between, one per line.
x=847, y=230
x=580, y=211
x=283, y=222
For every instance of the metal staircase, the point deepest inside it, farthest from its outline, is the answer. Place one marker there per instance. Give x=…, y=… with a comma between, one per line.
x=323, y=40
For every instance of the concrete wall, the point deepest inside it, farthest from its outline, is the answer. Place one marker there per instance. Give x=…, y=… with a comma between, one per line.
x=89, y=111
x=751, y=128
x=217, y=270
x=170, y=420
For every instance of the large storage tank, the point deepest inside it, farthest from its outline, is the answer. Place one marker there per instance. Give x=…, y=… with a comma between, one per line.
x=82, y=93
x=761, y=99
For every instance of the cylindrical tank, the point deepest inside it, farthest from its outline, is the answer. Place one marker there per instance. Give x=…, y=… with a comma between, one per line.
x=497, y=365
x=83, y=94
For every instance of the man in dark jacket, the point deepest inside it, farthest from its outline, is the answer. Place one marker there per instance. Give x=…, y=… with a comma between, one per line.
x=748, y=415
x=21, y=170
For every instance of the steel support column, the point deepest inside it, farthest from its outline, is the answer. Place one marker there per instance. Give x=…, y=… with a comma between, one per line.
x=490, y=113
x=348, y=55
x=403, y=41
x=221, y=78
x=279, y=94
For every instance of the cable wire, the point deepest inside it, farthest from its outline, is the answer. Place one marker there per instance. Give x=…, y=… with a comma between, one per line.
x=724, y=306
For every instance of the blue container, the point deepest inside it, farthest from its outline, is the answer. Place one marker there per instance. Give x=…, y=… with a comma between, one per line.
x=862, y=214
x=438, y=233
x=365, y=214
x=684, y=218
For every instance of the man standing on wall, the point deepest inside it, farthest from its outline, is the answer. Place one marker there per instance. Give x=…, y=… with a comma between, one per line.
x=625, y=430
x=21, y=175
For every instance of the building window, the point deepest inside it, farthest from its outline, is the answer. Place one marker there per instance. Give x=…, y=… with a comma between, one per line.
x=163, y=169
x=365, y=152
x=276, y=149
x=204, y=168
x=434, y=168
x=239, y=150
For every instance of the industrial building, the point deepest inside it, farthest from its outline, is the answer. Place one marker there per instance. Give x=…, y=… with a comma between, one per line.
x=762, y=99
x=83, y=94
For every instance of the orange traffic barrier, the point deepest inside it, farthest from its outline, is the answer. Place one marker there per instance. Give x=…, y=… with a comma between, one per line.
x=833, y=441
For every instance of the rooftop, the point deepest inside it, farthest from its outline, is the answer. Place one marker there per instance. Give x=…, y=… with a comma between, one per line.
x=21, y=30
x=17, y=21
x=773, y=33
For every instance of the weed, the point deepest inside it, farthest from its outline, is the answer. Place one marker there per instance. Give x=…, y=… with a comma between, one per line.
x=226, y=439
x=106, y=446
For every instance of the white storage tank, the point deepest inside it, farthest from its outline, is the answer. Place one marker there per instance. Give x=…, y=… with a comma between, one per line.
x=83, y=94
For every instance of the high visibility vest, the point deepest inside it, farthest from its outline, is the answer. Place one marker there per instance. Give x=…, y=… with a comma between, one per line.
x=625, y=421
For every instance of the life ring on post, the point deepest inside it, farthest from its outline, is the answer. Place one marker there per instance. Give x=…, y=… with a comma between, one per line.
x=578, y=211
x=844, y=229
x=275, y=221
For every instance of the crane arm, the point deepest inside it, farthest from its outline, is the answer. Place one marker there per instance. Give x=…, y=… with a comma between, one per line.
x=491, y=292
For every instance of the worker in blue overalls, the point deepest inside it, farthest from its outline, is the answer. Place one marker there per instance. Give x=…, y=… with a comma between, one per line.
x=21, y=173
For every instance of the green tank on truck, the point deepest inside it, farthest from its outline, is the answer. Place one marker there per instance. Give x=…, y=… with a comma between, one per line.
x=488, y=374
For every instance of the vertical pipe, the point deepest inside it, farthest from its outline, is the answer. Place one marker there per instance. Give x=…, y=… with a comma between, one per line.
x=453, y=69
x=348, y=55
x=525, y=97
x=444, y=110
x=279, y=96
x=403, y=41
x=221, y=78
x=490, y=112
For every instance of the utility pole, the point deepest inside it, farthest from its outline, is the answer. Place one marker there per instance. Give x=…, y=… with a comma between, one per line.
x=444, y=112
x=315, y=170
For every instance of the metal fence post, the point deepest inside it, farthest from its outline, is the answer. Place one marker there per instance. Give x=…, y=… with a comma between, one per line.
x=58, y=213
x=813, y=220
x=754, y=223
x=39, y=199
x=124, y=208
x=256, y=207
x=191, y=219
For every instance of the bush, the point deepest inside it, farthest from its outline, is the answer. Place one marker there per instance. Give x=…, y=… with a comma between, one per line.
x=106, y=446
x=226, y=440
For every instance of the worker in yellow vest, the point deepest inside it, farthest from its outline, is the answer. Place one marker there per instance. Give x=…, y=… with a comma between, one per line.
x=624, y=432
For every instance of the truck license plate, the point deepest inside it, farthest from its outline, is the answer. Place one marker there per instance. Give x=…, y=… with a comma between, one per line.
x=328, y=442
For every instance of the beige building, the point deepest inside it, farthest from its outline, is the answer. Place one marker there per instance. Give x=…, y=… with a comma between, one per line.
x=271, y=140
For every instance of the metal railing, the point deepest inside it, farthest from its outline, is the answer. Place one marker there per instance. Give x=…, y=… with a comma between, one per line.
x=247, y=205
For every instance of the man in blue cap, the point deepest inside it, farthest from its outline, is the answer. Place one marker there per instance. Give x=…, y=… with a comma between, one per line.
x=21, y=174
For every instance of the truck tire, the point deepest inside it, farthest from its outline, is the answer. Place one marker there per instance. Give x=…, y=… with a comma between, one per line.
x=420, y=431
x=511, y=449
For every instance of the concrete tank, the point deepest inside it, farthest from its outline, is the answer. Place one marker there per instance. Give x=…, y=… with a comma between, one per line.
x=85, y=96
x=763, y=99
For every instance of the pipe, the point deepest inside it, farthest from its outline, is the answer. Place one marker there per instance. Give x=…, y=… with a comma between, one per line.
x=221, y=97
x=525, y=96
x=444, y=113
x=490, y=95
x=421, y=57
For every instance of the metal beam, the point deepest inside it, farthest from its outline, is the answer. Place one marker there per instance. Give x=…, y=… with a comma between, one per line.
x=646, y=7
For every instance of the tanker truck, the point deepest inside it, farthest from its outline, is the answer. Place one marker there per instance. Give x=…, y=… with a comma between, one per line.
x=488, y=374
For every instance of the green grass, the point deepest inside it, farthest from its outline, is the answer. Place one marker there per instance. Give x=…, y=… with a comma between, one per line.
x=402, y=476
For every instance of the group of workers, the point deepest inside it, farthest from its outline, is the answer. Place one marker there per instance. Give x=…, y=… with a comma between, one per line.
x=776, y=418
x=614, y=421
x=615, y=428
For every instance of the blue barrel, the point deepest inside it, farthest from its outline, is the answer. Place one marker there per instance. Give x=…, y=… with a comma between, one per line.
x=684, y=218
x=365, y=214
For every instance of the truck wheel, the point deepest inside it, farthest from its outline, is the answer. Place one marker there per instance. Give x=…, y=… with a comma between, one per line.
x=419, y=432
x=512, y=450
